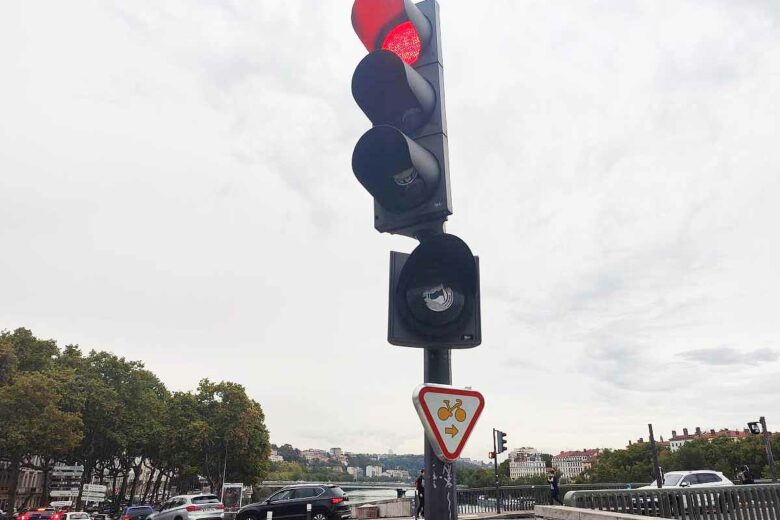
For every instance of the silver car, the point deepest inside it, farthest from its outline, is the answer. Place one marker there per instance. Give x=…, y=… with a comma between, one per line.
x=191, y=507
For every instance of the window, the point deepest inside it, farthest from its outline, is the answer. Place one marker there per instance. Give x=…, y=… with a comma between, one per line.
x=305, y=493
x=205, y=499
x=690, y=479
x=671, y=479
x=708, y=478
x=282, y=495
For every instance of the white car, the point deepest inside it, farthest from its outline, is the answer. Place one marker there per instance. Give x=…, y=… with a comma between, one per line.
x=191, y=507
x=697, y=478
x=692, y=479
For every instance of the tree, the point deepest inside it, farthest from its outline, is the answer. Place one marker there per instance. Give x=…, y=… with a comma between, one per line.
x=32, y=424
x=231, y=435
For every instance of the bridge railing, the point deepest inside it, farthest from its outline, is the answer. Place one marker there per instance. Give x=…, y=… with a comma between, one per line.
x=755, y=502
x=519, y=498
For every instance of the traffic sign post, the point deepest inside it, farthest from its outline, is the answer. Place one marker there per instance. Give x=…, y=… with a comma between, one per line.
x=403, y=162
x=448, y=416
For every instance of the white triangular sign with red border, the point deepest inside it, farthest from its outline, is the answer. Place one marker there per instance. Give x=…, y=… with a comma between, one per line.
x=448, y=415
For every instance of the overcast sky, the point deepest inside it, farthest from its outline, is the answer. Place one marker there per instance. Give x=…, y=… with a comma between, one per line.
x=176, y=187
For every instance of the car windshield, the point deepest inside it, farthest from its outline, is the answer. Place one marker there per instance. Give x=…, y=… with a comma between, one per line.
x=671, y=479
x=205, y=499
x=136, y=510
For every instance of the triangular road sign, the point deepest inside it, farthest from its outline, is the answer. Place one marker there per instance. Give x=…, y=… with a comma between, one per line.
x=448, y=415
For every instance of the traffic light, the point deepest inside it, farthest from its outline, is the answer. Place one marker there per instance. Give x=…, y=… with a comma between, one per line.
x=754, y=427
x=500, y=441
x=402, y=161
x=434, y=295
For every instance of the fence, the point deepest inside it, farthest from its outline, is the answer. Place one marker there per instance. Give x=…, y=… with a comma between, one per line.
x=518, y=498
x=756, y=502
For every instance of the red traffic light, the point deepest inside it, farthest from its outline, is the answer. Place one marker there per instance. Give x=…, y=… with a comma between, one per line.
x=395, y=25
x=404, y=41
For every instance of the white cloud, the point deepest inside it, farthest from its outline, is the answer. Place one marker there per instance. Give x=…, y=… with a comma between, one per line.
x=175, y=185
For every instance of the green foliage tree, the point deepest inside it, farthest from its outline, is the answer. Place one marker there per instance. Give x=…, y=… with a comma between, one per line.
x=33, y=425
x=115, y=417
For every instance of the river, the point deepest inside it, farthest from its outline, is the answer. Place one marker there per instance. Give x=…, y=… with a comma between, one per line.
x=362, y=496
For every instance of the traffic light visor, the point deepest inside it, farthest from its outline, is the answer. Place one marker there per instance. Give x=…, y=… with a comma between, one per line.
x=390, y=92
x=395, y=25
x=437, y=287
x=398, y=172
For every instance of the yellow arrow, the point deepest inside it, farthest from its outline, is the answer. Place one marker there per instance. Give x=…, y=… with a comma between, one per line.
x=452, y=430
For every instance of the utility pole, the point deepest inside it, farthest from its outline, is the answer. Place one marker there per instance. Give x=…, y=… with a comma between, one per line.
x=770, y=459
x=403, y=162
x=495, y=465
x=440, y=497
x=656, y=467
x=224, y=473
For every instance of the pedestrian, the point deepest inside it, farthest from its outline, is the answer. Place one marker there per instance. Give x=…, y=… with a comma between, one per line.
x=747, y=475
x=552, y=478
x=419, y=485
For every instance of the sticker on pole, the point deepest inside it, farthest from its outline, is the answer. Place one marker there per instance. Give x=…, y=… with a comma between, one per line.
x=448, y=415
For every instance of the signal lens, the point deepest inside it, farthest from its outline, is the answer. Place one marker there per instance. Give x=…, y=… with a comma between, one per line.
x=336, y=500
x=404, y=41
x=193, y=508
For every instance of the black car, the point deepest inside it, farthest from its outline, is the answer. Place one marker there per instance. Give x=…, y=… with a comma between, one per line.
x=327, y=502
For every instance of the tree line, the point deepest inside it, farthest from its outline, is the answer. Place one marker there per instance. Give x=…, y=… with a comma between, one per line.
x=634, y=463
x=116, y=419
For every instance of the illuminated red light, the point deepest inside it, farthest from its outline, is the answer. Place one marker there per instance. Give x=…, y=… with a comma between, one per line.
x=404, y=41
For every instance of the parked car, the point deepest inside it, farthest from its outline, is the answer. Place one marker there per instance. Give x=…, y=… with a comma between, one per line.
x=136, y=513
x=328, y=502
x=191, y=507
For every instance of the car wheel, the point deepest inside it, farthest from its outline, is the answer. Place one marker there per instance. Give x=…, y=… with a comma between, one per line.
x=319, y=516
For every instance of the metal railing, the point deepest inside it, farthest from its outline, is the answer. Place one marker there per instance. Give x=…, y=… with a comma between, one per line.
x=755, y=502
x=519, y=498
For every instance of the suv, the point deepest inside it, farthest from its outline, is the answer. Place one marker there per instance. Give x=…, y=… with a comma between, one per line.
x=698, y=478
x=325, y=501
x=191, y=507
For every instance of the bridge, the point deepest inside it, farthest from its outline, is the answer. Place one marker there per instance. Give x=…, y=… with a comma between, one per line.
x=346, y=486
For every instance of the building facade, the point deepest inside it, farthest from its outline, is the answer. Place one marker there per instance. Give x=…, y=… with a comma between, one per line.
x=29, y=489
x=676, y=442
x=373, y=471
x=526, y=468
x=573, y=463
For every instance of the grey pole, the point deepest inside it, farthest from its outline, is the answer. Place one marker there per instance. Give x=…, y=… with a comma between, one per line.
x=656, y=469
x=441, y=500
x=495, y=465
x=770, y=459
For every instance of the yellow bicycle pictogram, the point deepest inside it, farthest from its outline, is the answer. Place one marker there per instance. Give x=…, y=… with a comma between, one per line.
x=447, y=411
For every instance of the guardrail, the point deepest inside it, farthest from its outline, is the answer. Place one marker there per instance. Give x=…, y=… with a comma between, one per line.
x=519, y=498
x=755, y=502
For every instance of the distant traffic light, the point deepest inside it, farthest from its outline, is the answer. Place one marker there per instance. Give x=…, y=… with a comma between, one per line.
x=434, y=296
x=500, y=441
x=402, y=161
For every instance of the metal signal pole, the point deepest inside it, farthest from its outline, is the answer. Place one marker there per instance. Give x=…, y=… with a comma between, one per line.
x=769, y=457
x=656, y=467
x=440, y=496
x=495, y=465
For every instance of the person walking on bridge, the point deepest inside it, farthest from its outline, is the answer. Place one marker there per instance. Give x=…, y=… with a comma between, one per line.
x=419, y=485
x=555, y=496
